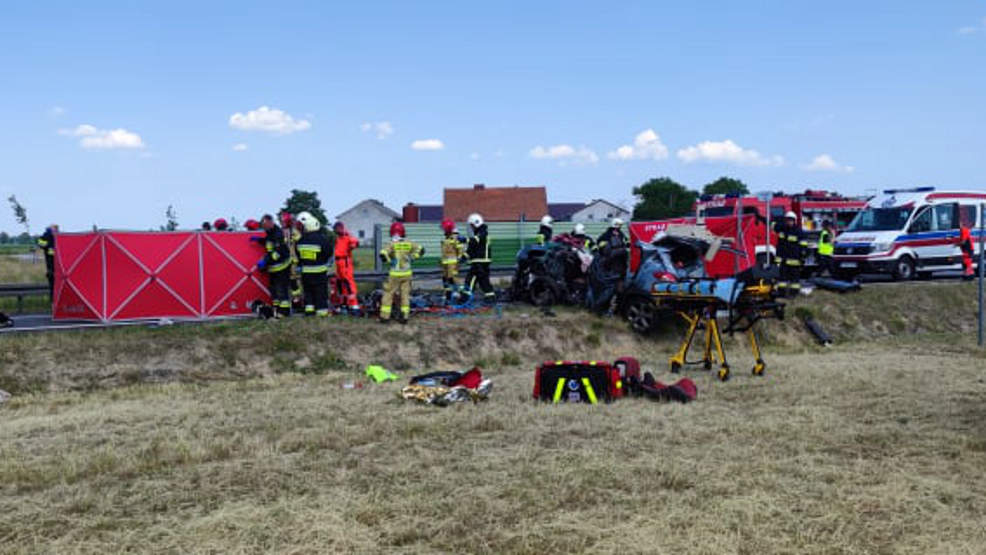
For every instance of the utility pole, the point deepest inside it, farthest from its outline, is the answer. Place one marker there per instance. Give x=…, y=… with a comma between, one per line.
x=982, y=270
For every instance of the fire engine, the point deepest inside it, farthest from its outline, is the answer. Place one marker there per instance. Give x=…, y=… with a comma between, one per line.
x=812, y=207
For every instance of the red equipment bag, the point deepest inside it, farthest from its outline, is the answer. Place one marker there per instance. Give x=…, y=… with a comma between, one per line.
x=578, y=381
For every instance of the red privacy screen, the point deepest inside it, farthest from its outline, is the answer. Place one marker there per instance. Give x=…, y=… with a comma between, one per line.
x=128, y=275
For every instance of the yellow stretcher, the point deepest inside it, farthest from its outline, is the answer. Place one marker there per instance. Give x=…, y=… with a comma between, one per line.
x=701, y=302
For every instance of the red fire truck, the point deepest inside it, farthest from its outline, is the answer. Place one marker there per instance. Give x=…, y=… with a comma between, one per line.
x=811, y=207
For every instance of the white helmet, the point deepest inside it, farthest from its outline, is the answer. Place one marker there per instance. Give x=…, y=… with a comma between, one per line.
x=790, y=215
x=475, y=220
x=617, y=222
x=546, y=220
x=579, y=229
x=309, y=222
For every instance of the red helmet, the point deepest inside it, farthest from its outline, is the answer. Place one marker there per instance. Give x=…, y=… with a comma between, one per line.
x=220, y=224
x=251, y=224
x=397, y=229
x=448, y=226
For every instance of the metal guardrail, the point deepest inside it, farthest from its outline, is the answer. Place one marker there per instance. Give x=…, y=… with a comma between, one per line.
x=22, y=290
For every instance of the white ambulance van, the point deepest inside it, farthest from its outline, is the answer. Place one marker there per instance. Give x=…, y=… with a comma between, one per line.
x=908, y=233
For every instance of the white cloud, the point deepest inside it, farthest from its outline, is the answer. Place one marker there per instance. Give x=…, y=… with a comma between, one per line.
x=270, y=120
x=967, y=30
x=56, y=111
x=647, y=145
x=825, y=163
x=93, y=138
x=727, y=151
x=474, y=156
x=427, y=144
x=382, y=129
x=240, y=147
x=564, y=153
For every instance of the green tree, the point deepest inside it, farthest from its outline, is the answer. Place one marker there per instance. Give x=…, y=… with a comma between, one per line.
x=171, y=223
x=725, y=185
x=662, y=198
x=305, y=201
x=20, y=213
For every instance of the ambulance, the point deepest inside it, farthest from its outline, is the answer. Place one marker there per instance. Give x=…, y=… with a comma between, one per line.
x=908, y=233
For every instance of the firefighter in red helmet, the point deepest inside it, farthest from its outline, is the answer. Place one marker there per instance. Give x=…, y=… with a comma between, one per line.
x=397, y=255
x=251, y=225
x=453, y=249
x=345, y=280
x=220, y=225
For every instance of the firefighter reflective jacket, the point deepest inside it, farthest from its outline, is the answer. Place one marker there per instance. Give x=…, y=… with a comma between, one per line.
x=544, y=235
x=47, y=243
x=826, y=247
x=313, y=252
x=586, y=241
x=478, y=249
x=278, y=256
x=791, y=243
x=452, y=250
x=399, y=254
x=612, y=238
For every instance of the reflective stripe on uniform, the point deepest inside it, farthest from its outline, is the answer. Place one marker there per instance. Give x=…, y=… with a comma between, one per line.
x=589, y=391
x=279, y=267
x=314, y=269
x=400, y=273
x=559, y=388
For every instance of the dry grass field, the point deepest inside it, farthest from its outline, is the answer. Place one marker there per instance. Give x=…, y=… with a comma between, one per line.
x=18, y=269
x=239, y=438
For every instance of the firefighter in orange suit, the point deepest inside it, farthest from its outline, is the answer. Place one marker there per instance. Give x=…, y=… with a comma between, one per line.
x=345, y=281
x=965, y=244
x=398, y=255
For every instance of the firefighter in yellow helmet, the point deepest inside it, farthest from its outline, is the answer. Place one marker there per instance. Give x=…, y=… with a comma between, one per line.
x=398, y=255
x=453, y=249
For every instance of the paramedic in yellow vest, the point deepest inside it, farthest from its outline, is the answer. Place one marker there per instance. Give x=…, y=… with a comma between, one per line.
x=826, y=248
x=398, y=256
x=453, y=249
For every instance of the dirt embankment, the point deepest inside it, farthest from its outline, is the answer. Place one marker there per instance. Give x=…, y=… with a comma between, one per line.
x=521, y=337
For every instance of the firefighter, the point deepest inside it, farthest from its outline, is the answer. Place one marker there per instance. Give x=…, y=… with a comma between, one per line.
x=578, y=232
x=47, y=245
x=826, y=248
x=452, y=251
x=290, y=228
x=613, y=237
x=220, y=224
x=251, y=225
x=277, y=264
x=398, y=255
x=313, y=260
x=544, y=231
x=480, y=256
x=965, y=245
x=345, y=280
x=206, y=226
x=791, y=245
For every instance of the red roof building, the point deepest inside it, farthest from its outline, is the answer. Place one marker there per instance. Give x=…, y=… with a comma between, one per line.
x=496, y=204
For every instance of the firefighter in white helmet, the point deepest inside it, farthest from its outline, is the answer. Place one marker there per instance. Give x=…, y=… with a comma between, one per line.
x=480, y=257
x=791, y=247
x=578, y=232
x=545, y=232
x=314, y=252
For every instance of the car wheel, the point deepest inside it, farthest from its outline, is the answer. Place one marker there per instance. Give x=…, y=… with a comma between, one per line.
x=541, y=294
x=904, y=268
x=642, y=314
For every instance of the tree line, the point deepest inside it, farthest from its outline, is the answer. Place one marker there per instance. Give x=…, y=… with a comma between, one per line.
x=662, y=197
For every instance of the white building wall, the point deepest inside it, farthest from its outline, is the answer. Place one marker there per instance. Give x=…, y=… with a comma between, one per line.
x=361, y=220
x=599, y=212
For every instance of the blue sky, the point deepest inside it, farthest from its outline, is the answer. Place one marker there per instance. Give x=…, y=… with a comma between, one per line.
x=114, y=110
